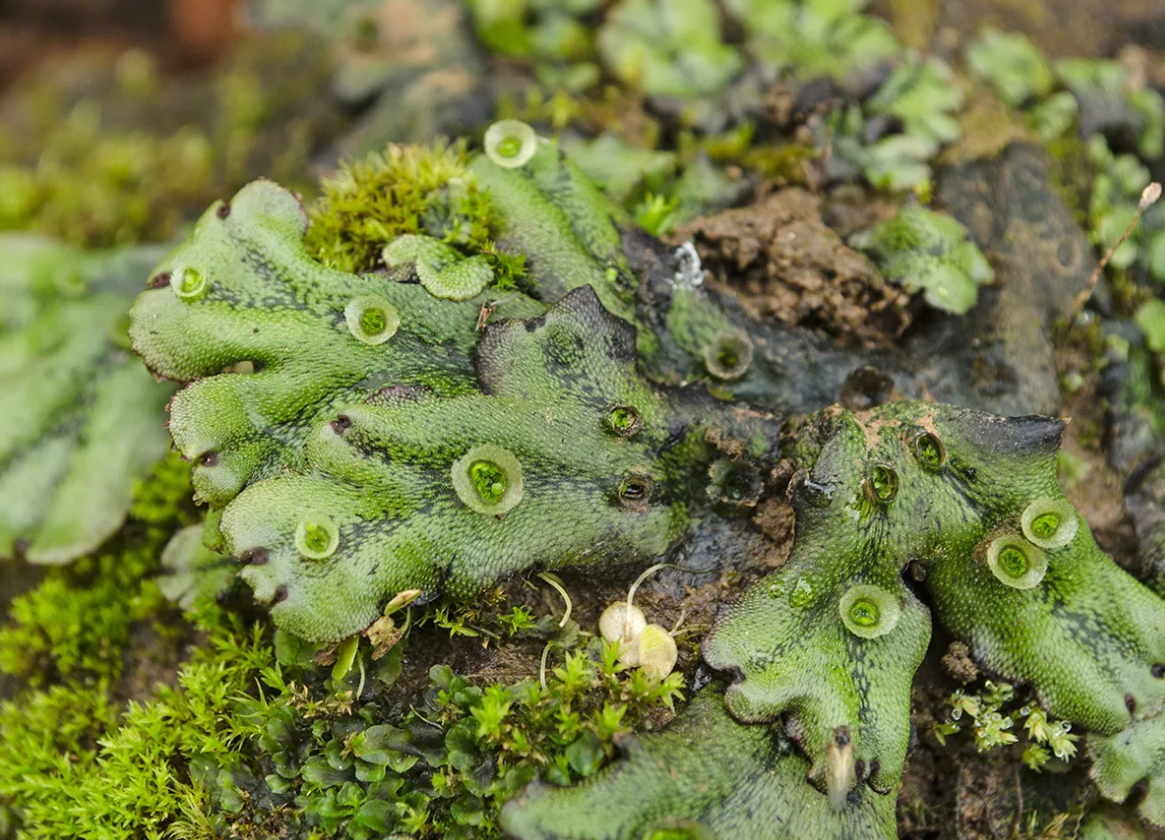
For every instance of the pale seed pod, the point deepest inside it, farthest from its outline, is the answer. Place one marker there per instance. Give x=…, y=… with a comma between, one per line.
x=624, y=624
x=657, y=652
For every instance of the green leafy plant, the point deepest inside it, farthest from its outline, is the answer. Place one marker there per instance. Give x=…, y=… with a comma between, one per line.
x=398, y=480
x=931, y=253
x=814, y=38
x=1012, y=66
x=82, y=415
x=922, y=95
x=668, y=47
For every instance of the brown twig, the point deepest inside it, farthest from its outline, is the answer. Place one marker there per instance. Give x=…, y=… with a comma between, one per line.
x=1149, y=196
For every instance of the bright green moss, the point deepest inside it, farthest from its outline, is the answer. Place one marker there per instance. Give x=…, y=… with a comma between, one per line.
x=75, y=624
x=245, y=741
x=404, y=191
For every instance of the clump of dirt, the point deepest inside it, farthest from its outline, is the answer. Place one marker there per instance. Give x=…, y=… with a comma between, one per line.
x=784, y=262
x=958, y=663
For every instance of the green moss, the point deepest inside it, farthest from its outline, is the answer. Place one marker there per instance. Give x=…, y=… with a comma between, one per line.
x=75, y=624
x=404, y=191
x=122, y=773
x=101, y=155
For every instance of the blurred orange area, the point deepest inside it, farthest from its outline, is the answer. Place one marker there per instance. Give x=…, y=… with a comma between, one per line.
x=180, y=33
x=204, y=29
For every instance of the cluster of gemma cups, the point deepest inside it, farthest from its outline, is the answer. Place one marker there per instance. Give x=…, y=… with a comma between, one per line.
x=1019, y=561
x=488, y=479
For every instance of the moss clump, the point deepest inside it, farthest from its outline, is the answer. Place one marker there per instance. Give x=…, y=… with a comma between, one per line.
x=75, y=624
x=405, y=191
x=250, y=738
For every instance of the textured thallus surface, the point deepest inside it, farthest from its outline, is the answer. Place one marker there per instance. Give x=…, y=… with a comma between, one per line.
x=292, y=419
x=1088, y=636
x=346, y=468
x=82, y=420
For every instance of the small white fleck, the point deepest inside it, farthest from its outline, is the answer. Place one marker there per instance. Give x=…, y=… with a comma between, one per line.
x=689, y=273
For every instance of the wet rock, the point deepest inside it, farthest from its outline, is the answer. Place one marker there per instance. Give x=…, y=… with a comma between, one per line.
x=1145, y=503
x=999, y=357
